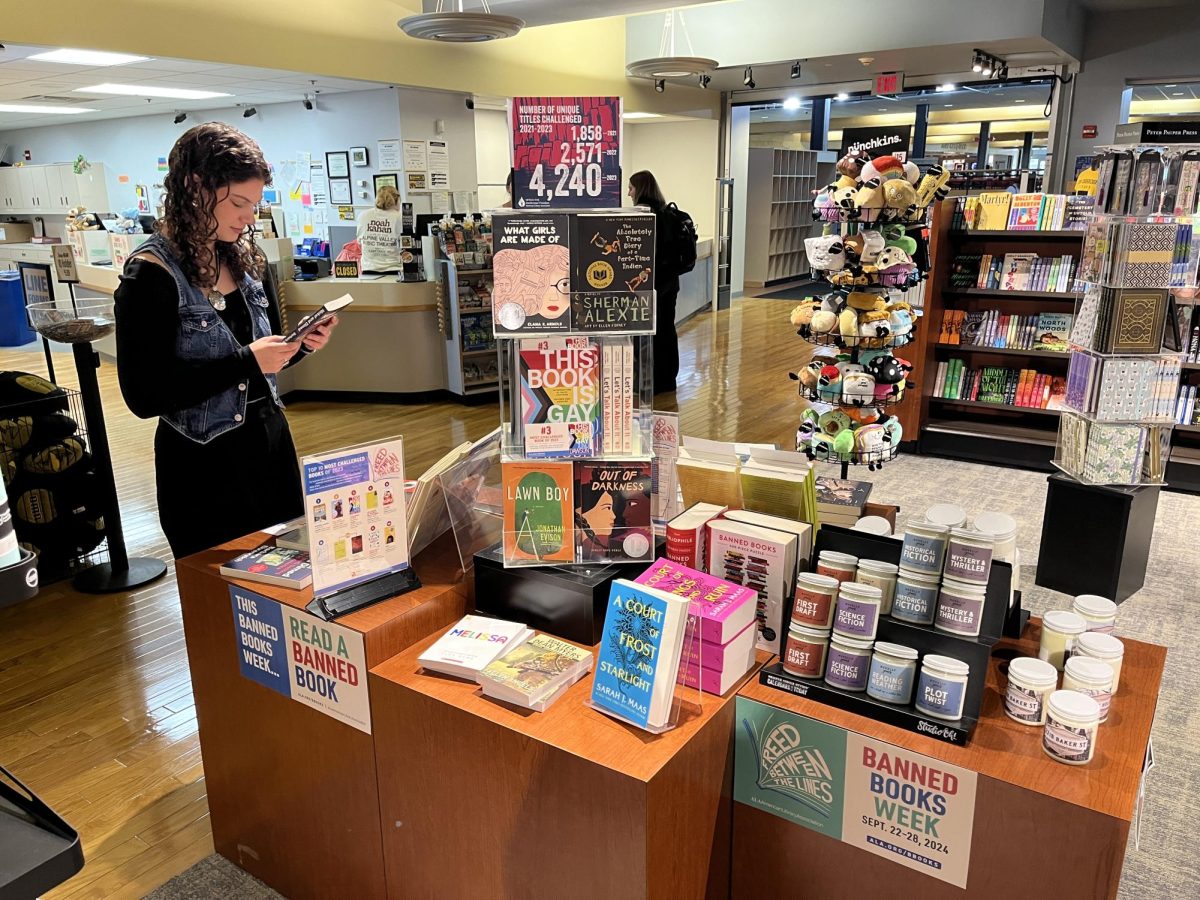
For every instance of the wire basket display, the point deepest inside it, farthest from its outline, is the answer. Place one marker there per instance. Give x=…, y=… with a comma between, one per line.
x=54, y=491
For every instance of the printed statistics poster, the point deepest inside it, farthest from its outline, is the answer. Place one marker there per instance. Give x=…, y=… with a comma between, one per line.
x=566, y=152
x=912, y=809
x=316, y=663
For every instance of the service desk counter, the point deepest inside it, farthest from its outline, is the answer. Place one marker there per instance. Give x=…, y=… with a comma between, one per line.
x=386, y=343
x=1040, y=828
x=292, y=789
x=481, y=799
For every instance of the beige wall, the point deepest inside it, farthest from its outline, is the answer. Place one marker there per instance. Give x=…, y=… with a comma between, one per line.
x=683, y=157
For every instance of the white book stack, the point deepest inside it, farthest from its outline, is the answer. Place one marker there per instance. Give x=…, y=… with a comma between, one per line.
x=473, y=643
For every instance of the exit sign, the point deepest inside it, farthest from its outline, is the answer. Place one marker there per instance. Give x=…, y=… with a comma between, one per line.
x=889, y=83
x=1090, y=131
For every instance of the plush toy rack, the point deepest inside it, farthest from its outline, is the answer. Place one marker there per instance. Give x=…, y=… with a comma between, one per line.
x=871, y=254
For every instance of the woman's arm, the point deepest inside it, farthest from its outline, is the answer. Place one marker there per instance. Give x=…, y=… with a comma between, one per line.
x=154, y=380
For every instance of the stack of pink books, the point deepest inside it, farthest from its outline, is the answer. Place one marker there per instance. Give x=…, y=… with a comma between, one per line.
x=719, y=648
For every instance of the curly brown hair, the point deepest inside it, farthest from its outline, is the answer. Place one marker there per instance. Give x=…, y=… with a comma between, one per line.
x=205, y=160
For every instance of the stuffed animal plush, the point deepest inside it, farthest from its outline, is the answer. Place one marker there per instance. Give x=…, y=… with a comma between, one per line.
x=848, y=323
x=852, y=163
x=866, y=202
x=875, y=325
x=870, y=445
x=833, y=422
x=826, y=253
x=900, y=318
x=898, y=194
x=858, y=388
x=896, y=236
x=873, y=244
x=844, y=198
x=863, y=301
x=935, y=179
x=809, y=377
x=912, y=172
x=802, y=314
x=829, y=384
x=848, y=278
x=843, y=444
x=895, y=267
x=885, y=168
x=128, y=223
x=893, y=430
x=825, y=319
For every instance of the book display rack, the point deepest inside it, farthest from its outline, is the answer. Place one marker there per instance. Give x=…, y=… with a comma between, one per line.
x=573, y=314
x=1003, y=289
x=871, y=253
x=464, y=292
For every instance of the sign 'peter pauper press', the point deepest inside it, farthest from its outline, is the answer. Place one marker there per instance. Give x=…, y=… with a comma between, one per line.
x=905, y=807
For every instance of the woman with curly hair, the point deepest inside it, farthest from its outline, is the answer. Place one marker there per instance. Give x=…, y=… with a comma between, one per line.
x=198, y=346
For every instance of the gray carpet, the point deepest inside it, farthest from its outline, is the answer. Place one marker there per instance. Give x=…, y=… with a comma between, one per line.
x=1162, y=613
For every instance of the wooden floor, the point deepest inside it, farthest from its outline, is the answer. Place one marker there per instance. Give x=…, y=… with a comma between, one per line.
x=96, y=711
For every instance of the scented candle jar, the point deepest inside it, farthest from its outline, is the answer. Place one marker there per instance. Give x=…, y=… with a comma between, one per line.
x=893, y=672
x=960, y=607
x=1100, y=613
x=1060, y=628
x=815, y=598
x=951, y=515
x=924, y=548
x=804, y=652
x=968, y=556
x=857, y=613
x=881, y=575
x=848, y=663
x=1002, y=529
x=915, y=600
x=841, y=566
x=1030, y=684
x=1072, y=720
x=942, y=687
x=1105, y=648
x=873, y=525
x=1090, y=676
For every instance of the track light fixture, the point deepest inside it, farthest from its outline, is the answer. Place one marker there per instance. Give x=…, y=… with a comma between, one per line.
x=248, y=112
x=977, y=62
x=748, y=77
x=180, y=117
x=660, y=85
x=308, y=104
x=795, y=69
x=704, y=80
x=989, y=66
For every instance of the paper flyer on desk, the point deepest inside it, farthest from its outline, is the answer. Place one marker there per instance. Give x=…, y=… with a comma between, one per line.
x=354, y=508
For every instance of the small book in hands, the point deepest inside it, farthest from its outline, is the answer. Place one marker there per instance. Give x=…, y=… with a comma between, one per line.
x=318, y=317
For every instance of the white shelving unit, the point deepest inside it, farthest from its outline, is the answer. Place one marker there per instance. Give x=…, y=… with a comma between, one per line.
x=779, y=204
x=52, y=189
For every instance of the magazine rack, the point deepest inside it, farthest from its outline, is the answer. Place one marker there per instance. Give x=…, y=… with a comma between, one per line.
x=573, y=313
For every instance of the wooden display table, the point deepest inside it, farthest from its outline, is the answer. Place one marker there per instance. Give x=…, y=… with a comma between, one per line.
x=481, y=799
x=292, y=791
x=1040, y=827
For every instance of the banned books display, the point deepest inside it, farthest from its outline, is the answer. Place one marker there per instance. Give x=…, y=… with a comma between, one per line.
x=870, y=254
x=573, y=313
x=1121, y=389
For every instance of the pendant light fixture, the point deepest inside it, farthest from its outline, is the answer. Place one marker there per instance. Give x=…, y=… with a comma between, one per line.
x=459, y=26
x=669, y=64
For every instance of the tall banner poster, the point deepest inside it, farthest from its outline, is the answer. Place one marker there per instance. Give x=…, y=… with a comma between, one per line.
x=912, y=809
x=566, y=152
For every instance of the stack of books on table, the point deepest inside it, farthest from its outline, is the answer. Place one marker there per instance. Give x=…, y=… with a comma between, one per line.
x=840, y=501
x=472, y=644
x=536, y=673
x=719, y=646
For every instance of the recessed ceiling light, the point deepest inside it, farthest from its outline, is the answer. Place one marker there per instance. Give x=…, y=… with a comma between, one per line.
x=942, y=88
x=1018, y=101
x=792, y=103
x=948, y=105
x=44, y=110
x=764, y=117
x=147, y=90
x=87, y=57
x=842, y=96
x=1177, y=93
x=641, y=115
x=1170, y=85
x=883, y=109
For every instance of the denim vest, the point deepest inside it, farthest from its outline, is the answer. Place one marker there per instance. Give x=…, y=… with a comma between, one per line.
x=203, y=334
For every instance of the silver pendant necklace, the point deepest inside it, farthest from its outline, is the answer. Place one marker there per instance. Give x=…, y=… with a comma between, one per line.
x=215, y=297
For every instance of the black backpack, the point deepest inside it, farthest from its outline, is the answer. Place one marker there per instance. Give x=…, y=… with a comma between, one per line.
x=680, y=240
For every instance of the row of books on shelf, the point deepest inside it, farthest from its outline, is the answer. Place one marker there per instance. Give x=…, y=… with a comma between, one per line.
x=1187, y=406
x=994, y=329
x=577, y=396
x=1109, y=453
x=1013, y=272
x=999, y=385
x=1130, y=253
x=1007, y=211
x=477, y=333
x=1122, y=388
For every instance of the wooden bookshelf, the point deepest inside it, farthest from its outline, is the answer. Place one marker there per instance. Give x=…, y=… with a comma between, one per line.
x=995, y=433
x=1072, y=296
x=1195, y=429
x=1005, y=351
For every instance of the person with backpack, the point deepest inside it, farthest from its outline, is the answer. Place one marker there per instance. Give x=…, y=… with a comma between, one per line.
x=674, y=254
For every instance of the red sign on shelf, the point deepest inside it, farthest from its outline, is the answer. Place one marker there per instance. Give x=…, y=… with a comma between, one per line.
x=566, y=152
x=1090, y=131
x=889, y=83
